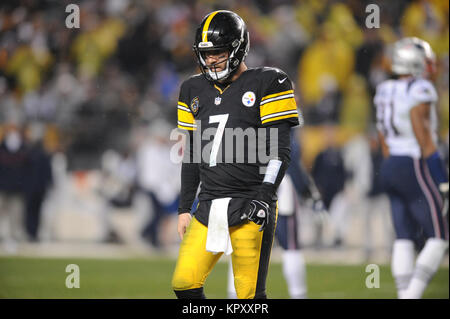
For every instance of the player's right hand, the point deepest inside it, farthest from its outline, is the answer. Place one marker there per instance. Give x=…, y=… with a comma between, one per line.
x=184, y=219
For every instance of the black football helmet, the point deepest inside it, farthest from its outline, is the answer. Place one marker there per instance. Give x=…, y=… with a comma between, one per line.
x=221, y=30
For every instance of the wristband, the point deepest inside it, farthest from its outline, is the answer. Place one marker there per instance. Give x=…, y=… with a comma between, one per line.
x=272, y=171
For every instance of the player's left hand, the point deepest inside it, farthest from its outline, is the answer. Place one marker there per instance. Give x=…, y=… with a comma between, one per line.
x=258, y=212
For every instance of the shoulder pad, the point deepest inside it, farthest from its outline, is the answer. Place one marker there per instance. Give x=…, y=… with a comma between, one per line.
x=422, y=90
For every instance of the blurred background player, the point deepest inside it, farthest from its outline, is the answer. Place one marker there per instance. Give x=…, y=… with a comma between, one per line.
x=296, y=184
x=158, y=179
x=39, y=180
x=330, y=174
x=413, y=169
x=14, y=163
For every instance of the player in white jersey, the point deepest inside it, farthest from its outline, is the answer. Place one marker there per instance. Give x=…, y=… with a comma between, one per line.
x=412, y=170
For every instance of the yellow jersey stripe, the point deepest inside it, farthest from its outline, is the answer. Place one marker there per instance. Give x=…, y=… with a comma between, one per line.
x=206, y=26
x=182, y=104
x=277, y=94
x=278, y=106
x=185, y=116
x=278, y=114
x=186, y=128
x=279, y=118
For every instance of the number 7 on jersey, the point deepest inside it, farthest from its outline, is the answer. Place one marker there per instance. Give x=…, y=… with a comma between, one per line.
x=222, y=120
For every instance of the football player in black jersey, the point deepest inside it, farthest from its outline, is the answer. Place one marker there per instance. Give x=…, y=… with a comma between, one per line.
x=237, y=122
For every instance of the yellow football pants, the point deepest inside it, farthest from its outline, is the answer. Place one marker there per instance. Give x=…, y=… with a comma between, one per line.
x=250, y=258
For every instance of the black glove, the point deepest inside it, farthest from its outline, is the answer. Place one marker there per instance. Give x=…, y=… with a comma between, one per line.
x=258, y=212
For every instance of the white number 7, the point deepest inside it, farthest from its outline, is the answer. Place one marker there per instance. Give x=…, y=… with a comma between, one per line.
x=222, y=120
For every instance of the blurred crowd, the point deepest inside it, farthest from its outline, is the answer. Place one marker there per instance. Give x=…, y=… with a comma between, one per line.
x=105, y=86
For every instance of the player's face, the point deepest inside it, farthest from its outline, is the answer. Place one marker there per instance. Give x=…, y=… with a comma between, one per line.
x=216, y=60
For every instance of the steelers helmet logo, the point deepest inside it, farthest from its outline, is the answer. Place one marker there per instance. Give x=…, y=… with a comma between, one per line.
x=249, y=98
x=194, y=105
x=261, y=214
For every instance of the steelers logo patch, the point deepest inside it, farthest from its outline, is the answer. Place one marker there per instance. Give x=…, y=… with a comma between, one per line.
x=195, y=105
x=249, y=98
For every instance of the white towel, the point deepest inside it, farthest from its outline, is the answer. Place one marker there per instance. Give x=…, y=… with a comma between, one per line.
x=218, y=238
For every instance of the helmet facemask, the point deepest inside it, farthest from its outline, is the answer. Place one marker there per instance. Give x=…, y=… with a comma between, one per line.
x=211, y=69
x=232, y=62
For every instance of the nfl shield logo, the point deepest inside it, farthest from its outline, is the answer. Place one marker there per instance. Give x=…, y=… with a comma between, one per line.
x=217, y=100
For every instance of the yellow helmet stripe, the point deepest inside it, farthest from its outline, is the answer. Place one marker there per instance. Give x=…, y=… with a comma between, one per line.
x=206, y=25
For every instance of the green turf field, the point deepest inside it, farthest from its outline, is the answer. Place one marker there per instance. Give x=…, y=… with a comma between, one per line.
x=150, y=278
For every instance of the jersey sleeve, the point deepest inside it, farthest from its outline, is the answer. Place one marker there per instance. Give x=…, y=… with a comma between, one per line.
x=185, y=117
x=278, y=102
x=422, y=91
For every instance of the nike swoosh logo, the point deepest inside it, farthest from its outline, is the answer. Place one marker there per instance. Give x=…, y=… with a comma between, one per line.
x=281, y=81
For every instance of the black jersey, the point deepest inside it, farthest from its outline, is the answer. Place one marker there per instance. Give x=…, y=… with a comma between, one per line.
x=258, y=99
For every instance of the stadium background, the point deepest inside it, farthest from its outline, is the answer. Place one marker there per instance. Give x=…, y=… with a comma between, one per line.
x=102, y=99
